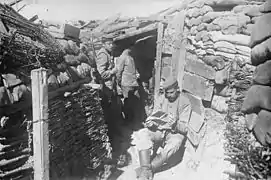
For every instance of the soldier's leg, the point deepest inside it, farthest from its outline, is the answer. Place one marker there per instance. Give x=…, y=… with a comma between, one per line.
x=144, y=140
x=173, y=143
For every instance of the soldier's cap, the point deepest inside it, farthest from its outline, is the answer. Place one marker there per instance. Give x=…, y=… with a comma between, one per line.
x=107, y=39
x=170, y=83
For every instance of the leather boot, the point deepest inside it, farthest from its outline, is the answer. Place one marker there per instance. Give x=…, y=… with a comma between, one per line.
x=157, y=162
x=144, y=172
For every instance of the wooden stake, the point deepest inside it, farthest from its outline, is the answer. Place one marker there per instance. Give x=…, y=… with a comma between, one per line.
x=158, y=62
x=178, y=56
x=40, y=125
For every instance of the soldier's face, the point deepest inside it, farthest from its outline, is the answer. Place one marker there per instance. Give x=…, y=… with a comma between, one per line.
x=171, y=94
x=108, y=46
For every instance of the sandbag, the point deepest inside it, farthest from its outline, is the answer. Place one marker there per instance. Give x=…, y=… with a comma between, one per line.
x=238, y=20
x=52, y=82
x=247, y=30
x=215, y=61
x=73, y=46
x=243, y=50
x=71, y=60
x=82, y=58
x=238, y=39
x=262, y=74
x=202, y=26
x=225, y=46
x=210, y=16
x=84, y=70
x=65, y=46
x=194, y=22
x=265, y=7
x=261, y=30
x=245, y=59
x=228, y=56
x=62, y=67
x=232, y=30
x=193, y=30
x=261, y=52
x=253, y=12
x=193, y=13
x=210, y=51
x=213, y=27
x=262, y=128
x=63, y=79
x=258, y=97
x=72, y=70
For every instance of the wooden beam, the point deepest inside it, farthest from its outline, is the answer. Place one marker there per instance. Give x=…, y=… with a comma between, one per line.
x=148, y=28
x=14, y=2
x=158, y=62
x=40, y=124
x=178, y=55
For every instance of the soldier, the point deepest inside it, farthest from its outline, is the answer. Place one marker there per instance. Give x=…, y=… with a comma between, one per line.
x=127, y=77
x=172, y=135
x=106, y=69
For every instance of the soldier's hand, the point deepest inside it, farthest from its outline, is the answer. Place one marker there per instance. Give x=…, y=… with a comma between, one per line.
x=150, y=124
x=114, y=70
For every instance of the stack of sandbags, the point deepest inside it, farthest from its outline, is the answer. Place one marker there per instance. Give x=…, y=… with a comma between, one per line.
x=78, y=134
x=76, y=66
x=216, y=40
x=257, y=103
x=15, y=111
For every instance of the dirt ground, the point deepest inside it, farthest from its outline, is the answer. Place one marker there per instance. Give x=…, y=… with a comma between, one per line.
x=207, y=164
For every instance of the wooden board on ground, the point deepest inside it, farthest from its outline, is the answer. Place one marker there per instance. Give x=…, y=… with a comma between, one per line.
x=200, y=69
x=198, y=86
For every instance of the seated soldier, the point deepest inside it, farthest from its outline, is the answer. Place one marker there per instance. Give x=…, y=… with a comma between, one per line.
x=172, y=134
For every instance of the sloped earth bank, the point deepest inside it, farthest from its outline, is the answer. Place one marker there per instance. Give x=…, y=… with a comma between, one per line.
x=208, y=164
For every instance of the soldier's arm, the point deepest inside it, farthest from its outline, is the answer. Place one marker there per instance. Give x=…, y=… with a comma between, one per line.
x=184, y=115
x=120, y=68
x=101, y=66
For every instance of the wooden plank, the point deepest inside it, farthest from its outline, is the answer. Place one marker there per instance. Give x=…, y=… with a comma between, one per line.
x=148, y=28
x=200, y=68
x=198, y=86
x=178, y=55
x=158, y=62
x=40, y=124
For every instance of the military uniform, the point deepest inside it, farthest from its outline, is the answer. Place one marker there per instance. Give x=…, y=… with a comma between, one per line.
x=104, y=66
x=127, y=78
x=171, y=140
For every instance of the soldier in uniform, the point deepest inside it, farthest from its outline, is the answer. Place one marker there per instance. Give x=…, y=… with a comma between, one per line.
x=106, y=69
x=170, y=136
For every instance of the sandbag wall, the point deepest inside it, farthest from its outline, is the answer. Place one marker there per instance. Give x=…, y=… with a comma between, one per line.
x=78, y=134
x=218, y=51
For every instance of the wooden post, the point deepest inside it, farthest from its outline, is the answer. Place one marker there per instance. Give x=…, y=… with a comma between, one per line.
x=158, y=62
x=178, y=56
x=40, y=125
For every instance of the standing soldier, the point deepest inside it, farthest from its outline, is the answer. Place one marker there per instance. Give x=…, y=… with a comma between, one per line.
x=106, y=69
x=127, y=76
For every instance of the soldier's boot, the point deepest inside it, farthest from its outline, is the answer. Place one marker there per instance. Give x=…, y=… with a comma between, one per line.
x=144, y=172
